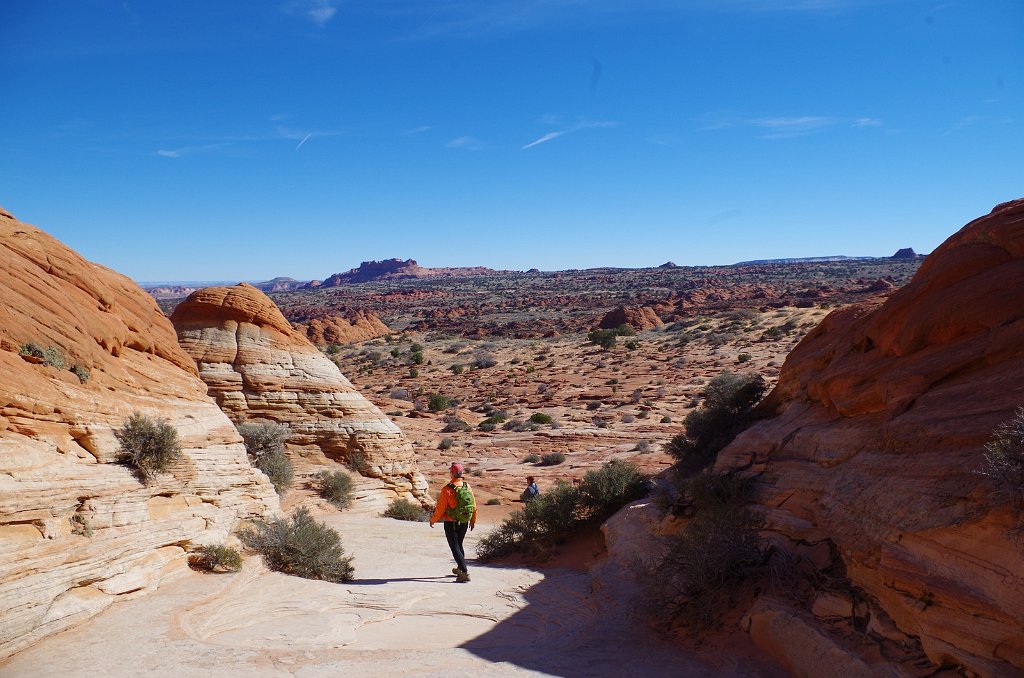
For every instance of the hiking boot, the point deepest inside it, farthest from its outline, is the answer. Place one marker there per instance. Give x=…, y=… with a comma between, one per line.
x=461, y=577
x=456, y=570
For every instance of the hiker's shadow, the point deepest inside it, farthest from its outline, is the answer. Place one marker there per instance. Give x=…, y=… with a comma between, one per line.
x=376, y=582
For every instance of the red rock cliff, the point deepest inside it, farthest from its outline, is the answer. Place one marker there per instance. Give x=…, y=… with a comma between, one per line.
x=881, y=415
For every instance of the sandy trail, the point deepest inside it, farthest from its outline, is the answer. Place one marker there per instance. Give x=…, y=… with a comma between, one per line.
x=403, y=616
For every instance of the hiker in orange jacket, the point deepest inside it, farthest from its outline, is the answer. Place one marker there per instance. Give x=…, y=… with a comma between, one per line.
x=454, y=531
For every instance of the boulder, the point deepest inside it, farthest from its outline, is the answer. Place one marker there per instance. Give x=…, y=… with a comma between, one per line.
x=259, y=368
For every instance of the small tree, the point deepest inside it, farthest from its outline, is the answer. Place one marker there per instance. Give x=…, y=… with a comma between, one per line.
x=1004, y=460
x=264, y=442
x=150, y=446
x=437, y=402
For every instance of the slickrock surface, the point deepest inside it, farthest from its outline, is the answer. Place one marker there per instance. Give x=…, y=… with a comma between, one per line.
x=344, y=329
x=58, y=479
x=258, y=367
x=882, y=414
x=404, y=615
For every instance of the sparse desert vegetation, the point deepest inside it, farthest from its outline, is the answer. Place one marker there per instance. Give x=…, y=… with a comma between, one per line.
x=300, y=546
x=150, y=446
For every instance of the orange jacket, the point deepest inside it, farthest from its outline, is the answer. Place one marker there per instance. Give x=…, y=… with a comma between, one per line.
x=447, y=500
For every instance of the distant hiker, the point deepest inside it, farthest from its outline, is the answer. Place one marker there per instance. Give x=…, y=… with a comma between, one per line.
x=456, y=507
x=531, y=491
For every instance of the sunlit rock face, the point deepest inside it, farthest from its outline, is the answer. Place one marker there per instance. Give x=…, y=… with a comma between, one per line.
x=880, y=419
x=259, y=368
x=77, y=529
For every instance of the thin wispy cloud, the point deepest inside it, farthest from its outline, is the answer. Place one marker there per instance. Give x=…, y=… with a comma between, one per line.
x=544, y=139
x=304, y=140
x=786, y=127
x=465, y=143
x=191, y=150
x=471, y=18
x=417, y=130
x=317, y=11
x=593, y=124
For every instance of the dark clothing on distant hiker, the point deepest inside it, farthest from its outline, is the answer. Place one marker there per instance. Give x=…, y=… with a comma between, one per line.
x=530, y=493
x=455, y=533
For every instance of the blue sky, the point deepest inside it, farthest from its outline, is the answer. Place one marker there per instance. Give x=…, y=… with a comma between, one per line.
x=228, y=140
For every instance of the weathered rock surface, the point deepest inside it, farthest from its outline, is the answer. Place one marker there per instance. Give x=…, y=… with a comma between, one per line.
x=258, y=367
x=882, y=413
x=344, y=329
x=58, y=479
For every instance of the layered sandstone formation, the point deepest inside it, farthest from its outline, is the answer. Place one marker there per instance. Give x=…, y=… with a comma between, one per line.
x=77, y=530
x=869, y=467
x=347, y=328
x=259, y=368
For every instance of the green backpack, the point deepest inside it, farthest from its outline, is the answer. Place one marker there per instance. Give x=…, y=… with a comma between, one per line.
x=464, y=503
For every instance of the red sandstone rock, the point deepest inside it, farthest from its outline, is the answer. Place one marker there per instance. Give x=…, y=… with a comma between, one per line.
x=639, y=318
x=881, y=415
x=344, y=329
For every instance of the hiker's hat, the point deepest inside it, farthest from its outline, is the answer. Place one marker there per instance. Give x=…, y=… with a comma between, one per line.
x=457, y=468
x=529, y=478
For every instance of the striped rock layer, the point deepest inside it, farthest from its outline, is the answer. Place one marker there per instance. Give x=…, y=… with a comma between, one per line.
x=77, y=529
x=259, y=368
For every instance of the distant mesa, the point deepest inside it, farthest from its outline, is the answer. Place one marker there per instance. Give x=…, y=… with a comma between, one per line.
x=279, y=284
x=906, y=253
x=397, y=269
x=799, y=260
x=637, y=317
x=669, y=264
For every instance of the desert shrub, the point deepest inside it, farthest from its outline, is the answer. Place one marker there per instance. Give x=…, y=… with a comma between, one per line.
x=743, y=358
x=552, y=459
x=457, y=369
x=416, y=348
x=355, y=460
x=593, y=405
x=455, y=425
x=717, y=550
x=413, y=372
x=557, y=514
x=416, y=358
x=487, y=425
x=81, y=525
x=80, y=371
x=540, y=418
x=484, y=359
x=150, y=446
x=300, y=546
x=264, y=441
x=336, y=487
x=605, y=490
x=603, y=338
x=644, y=446
x=403, y=509
x=437, y=402
x=1004, y=460
x=493, y=501
x=519, y=426
x=728, y=400
x=628, y=419
x=446, y=443
x=216, y=558
x=401, y=394
x=54, y=357
x=531, y=458
x=666, y=419
x=31, y=348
